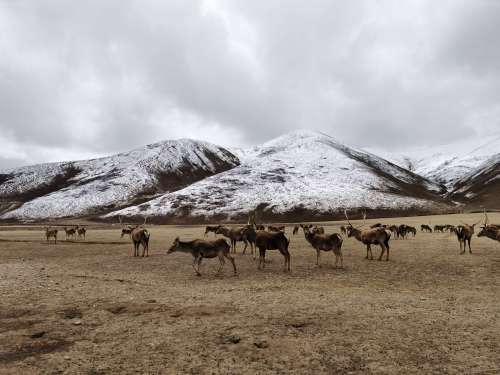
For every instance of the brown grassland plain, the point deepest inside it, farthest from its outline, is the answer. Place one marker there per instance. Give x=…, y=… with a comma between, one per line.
x=91, y=308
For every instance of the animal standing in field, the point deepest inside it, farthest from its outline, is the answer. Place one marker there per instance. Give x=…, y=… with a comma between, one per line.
x=450, y=228
x=412, y=230
x=212, y=229
x=464, y=234
x=325, y=242
x=491, y=231
x=200, y=249
x=272, y=241
x=81, y=231
x=140, y=236
x=343, y=230
x=51, y=233
x=439, y=228
x=375, y=236
x=235, y=234
x=70, y=233
x=425, y=228
x=295, y=229
x=126, y=231
x=395, y=230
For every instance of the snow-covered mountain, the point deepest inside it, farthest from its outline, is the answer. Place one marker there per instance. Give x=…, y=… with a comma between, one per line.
x=99, y=185
x=299, y=172
x=481, y=187
x=449, y=163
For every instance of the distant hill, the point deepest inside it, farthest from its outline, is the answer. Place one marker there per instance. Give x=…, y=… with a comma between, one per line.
x=93, y=187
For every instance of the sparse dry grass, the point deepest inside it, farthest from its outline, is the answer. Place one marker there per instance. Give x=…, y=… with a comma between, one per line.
x=428, y=310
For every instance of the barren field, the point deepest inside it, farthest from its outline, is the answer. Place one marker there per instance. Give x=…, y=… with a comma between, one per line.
x=88, y=307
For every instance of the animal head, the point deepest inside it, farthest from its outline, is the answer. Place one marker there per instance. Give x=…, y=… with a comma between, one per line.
x=350, y=230
x=174, y=246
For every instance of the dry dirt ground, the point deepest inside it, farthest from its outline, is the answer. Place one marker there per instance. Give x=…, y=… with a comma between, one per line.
x=91, y=308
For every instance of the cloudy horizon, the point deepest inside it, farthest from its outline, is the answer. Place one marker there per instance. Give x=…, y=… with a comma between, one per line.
x=93, y=79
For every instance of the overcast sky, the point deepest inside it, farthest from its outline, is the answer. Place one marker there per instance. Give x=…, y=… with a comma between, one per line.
x=86, y=78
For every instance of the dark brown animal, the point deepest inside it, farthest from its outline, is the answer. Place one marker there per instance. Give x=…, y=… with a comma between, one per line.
x=295, y=229
x=200, y=249
x=325, y=242
x=272, y=228
x=272, y=241
x=375, y=236
x=412, y=230
x=140, y=236
x=464, y=234
x=212, y=229
x=439, y=228
x=126, y=231
x=343, y=229
x=318, y=229
x=51, y=233
x=425, y=228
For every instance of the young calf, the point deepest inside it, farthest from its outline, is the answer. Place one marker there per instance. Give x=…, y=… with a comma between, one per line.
x=200, y=249
x=272, y=241
x=325, y=242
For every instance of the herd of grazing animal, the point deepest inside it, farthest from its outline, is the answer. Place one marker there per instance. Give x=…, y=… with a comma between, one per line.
x=274, y=238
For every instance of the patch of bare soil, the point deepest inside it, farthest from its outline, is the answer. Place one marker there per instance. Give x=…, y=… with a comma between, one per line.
x=92, y=308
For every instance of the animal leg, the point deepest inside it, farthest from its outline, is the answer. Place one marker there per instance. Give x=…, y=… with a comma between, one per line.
x=231, y=259
x=470, y=250
x=221, y=263
x=262, y=259
x=318, y=254
x=200, y=259
x=246, y=245
x=382, y=251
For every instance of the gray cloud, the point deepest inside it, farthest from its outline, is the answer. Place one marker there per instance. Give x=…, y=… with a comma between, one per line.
x=92, y=78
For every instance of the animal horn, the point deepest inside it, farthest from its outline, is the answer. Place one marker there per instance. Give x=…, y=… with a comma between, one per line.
x=345, y=213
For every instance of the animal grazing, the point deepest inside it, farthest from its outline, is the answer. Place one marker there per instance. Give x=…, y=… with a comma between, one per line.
x=212, y=229
x=200, y=249
x=325, y=242
x=126, y=231
x=402, y=231
x=439, y=228
x=412, y=230
x=272, y=241
x=425, y=228
x=450, y=228
x=51, y=233
x=140, y=236
x=375, y=236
